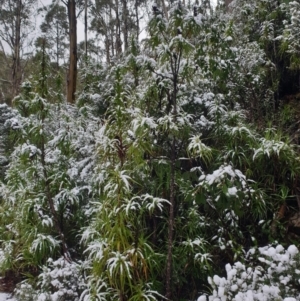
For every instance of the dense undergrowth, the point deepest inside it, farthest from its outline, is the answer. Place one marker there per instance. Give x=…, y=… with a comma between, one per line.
x=179, y=158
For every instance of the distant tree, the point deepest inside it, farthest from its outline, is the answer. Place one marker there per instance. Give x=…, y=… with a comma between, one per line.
x=116, y=21
x=55, y=29
x=14, y=31
x=107, y=22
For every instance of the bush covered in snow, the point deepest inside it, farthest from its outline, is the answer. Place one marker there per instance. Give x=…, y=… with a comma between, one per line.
x=271, y=273
x=59, y=281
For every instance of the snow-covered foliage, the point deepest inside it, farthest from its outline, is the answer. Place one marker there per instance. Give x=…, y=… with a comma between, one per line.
x=291, y=35
x=6, y=124
x=158, y=176
x=59, y=280
x=270, y=273
x=47, y=181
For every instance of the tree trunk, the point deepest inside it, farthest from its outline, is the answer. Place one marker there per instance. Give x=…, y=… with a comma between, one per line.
x=57, y=47
x=125, y=24
x=112, y=35
x=137, y=20
x=107, y=49
x=16, y=68
x=118, y=31
x=72, y=74
x=85, y=29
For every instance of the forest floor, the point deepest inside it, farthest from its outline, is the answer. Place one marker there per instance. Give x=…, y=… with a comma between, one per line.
x=7, y=285
x=6, y=297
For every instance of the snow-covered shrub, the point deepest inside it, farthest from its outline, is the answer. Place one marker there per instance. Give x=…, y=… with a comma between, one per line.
x=290, y=38
x=271, y=273
x=7, y=118
x=59, y=281
x=47, y=185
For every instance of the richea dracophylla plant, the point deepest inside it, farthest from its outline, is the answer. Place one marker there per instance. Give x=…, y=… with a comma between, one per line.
x=47, y=187
x=166, y=186
x=145, y=133
x=6, y=137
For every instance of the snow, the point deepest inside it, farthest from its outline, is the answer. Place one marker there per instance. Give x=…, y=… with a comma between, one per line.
x=262, y=282
x=6, y=297
x=293, y=250
x=232, y=191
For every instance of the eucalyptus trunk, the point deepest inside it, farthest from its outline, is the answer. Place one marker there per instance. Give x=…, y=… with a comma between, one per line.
x=125, y=24
x=72, y=74
x=137, y=20
x=112, y=29
x=118, y=30
x=85, y=28
x=16, y=67
x=57, y=47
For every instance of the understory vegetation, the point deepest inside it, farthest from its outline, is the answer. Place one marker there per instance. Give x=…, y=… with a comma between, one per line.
x=178, y=163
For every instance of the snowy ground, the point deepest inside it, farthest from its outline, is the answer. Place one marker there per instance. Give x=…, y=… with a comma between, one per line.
x=6, y=297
